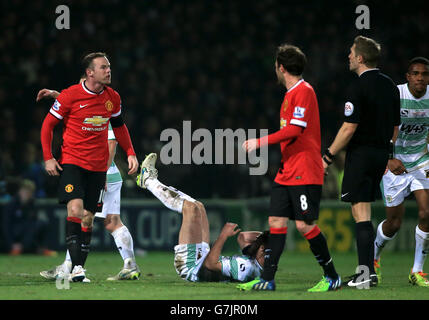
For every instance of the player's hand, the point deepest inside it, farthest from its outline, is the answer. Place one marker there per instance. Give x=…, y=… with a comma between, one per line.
x=133, y=164
x=47, y=93
x=396, y=166
x=52, y=167
x=250, y=145
x=229, y=229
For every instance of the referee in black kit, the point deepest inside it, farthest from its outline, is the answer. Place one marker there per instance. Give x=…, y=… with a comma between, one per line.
x=371, y=120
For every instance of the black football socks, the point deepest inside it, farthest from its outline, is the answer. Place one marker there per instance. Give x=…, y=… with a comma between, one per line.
x=85, y=246
x=273, y=251
x=73, y=240
x=319, y=247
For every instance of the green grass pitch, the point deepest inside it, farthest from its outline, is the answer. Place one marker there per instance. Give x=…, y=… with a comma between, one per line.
x=20, y=279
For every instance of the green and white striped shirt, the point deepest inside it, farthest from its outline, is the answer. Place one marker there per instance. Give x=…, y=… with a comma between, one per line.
x=411, y=144
x=113, y=174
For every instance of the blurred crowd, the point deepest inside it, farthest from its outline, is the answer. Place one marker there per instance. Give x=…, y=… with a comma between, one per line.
x=211, y=62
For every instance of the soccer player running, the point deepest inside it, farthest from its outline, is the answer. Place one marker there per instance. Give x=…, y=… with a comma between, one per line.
x=371, y=119
x=193, y=259
x=86, y=110
x=409, y=170
x=297, y=188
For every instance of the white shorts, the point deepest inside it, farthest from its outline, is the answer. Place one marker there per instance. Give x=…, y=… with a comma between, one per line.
x=395, y=188
x=111, y=200
x=189, y=258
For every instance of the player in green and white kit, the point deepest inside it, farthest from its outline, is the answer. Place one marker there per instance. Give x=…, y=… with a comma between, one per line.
x=193, y=259
x=110, y=213
x=408, y=171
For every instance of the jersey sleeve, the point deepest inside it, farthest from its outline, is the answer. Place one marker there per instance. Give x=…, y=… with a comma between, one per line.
x=352, y=106
x=305, y=105
x=61, y=106
x=236, y=268
x=117, y=105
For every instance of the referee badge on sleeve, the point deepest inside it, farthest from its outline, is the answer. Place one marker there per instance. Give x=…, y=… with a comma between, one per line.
x=348, y=109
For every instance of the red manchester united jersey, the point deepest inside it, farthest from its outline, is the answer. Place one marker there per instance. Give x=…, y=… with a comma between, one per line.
x=301, y=157
x=86, y=116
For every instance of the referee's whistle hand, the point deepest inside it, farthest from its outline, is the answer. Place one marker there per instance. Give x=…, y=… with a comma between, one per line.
x=133, y=164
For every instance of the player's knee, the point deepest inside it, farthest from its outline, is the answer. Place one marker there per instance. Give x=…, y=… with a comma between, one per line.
x=200, y=206
x=191, y=210
x=394, y=224
x=277, y=222
x=424, y=217
x=112, y=222
x=75, y=210
x=304, y=226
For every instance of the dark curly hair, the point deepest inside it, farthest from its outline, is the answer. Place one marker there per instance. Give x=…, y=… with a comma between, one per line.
x=252, y=248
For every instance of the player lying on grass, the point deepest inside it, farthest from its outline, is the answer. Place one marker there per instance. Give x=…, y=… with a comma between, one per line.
x=193, y=259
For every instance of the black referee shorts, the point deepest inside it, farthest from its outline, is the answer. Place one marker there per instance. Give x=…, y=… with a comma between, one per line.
x=295, y=202
x=364, y=167
x=78, y=183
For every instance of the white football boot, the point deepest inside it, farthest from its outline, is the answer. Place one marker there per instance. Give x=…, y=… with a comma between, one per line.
x=147, y=170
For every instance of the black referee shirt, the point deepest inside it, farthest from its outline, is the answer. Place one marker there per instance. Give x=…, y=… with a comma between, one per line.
x=374, y=104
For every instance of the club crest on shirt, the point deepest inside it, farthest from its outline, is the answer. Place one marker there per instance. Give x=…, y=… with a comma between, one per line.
x=69, y=188
x=109, y=105
x=348, y=109
x=285, y=104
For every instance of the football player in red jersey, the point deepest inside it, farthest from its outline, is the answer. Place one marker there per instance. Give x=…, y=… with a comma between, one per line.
x=297, y=188
x=85, y=109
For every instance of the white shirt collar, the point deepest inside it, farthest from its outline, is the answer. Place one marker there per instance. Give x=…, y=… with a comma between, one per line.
x=295, y=85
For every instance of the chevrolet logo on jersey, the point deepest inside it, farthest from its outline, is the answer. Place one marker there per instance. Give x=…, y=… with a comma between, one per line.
x=96, y=121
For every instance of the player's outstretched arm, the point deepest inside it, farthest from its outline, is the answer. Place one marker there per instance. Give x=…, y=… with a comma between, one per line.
x=47, y=93
x=212, y=260
x=289, y=132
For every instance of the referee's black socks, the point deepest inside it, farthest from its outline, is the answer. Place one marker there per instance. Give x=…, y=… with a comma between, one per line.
x=74, y=240
x=319, y=247
x=365, y=244
x=273, y=251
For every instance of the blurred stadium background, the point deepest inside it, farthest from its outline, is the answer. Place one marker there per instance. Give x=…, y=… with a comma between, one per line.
x=210, y=62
